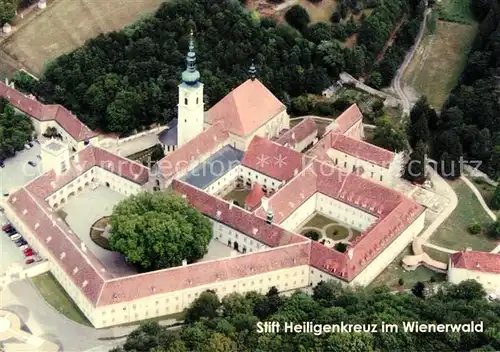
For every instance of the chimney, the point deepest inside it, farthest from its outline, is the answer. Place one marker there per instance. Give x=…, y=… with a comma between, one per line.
x=184, y=262
x=293, y=135
x=84, y=247
x=350, y=252
x=295, y=172
x=230, y=205
x=270, y=216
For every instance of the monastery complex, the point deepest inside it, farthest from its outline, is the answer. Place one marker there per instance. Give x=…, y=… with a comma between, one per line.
x=244, y=141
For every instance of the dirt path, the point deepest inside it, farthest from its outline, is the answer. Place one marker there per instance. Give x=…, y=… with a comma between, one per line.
x=396, y=83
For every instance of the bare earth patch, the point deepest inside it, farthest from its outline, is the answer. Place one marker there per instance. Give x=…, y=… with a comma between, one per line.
x=67, y=24
x=320, y=12
x=439, y=60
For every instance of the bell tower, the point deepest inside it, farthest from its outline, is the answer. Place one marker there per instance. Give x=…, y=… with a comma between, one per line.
x=190, y=106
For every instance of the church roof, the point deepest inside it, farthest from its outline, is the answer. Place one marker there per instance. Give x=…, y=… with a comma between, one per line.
x=169, y=136
x=215, y=167
x=272, y=159
x=299, y=132
x=477, y=261
x=349, y=118
x=246, y=108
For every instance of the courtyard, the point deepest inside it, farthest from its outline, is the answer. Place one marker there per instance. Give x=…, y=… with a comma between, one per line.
x=328, y=229
x=82, y=211
x=237, y=196
x=17, y=172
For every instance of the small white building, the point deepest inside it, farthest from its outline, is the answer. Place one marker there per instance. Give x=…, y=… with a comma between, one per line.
x=7, y=28
x=480, y=266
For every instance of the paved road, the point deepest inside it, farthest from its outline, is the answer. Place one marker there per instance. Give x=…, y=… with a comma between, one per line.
x=396, y=83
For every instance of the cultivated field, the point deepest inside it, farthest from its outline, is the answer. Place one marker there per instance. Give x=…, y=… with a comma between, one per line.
x=439, y=60
x=67, y=24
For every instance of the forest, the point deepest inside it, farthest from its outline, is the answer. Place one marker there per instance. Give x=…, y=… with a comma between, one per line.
x=127, y=80
x=230, y=324
x=468, y=128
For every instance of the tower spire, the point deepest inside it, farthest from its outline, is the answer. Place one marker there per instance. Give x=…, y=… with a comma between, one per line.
x=252, y=71
x=191, y=76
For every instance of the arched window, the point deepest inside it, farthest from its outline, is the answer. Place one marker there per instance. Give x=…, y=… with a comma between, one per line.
x=185, y=101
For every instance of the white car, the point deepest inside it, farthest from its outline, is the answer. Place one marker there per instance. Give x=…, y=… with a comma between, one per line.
x=27, y=146
x=23, y=247
x=15, y=237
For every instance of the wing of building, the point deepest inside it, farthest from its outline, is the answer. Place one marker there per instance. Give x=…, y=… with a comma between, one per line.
x=285, y=175
x=472, y=265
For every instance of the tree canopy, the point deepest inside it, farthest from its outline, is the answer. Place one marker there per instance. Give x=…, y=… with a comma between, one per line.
x=159, y=230
x=15, y=130
x=230, y=324
x=8, y=10
x=126, y=80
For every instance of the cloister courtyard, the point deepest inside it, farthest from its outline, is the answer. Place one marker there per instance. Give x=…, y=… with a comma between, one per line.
x=328, y=229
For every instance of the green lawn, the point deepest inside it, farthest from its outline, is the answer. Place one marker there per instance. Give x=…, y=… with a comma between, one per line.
x=54, y=294
x=455, y=11
x=319, y=221
x=337, y=232
x=484, y=188
x=237, y=195
x=453, y=233
x=394, y=271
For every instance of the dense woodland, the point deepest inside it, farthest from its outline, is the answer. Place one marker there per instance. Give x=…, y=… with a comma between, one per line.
x=126, y=80
x=468, y=128
x=231, y=325
x=15, y=130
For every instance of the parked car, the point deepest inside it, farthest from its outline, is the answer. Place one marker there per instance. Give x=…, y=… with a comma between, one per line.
x=2, y=164
x=23, y=241
x=28, y=252
x=6, y=226
x=19, y=243
x=27, y=146
x=15, y=237
x=39, y=157
x=23, y=247
x=11, y=232
x=29, y=261
x=31, y=163
x=30, y=144
x=5, y=194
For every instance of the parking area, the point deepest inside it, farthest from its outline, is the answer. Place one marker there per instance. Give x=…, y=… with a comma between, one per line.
x=17, y=172
x=82, y=211
x=9, y=253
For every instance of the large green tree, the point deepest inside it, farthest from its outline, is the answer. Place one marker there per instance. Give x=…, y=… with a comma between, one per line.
x=159, y=230
x=389, y=136
x=231, y=324
x=8, y=10
x=15, y=130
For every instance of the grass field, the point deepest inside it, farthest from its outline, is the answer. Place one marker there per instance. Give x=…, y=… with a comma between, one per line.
x=437, y=255
x=453, y=233
x=484, y=188
x=54, y=294
x=439, y=61
x=67, y=24
x=455, y=11
x=320, y=12
x=394, y=271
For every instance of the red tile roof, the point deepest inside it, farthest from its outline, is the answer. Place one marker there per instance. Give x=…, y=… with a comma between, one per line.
x=204, y=273
x=349, y=118
x=91, y=156
x=394, y=212
x=246, y=108
x=299, y=132
x=253, y=198
x=30, y=106
x=236, y=217
x=362, y=150
x=477, y=261
x=272, y=159
x=65, y=247
x=203, y=143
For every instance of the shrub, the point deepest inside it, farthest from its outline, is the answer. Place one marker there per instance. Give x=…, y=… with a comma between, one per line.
x=401, y=282
x=335, y=17
x=313, y=235
x=433, y=279
x=341, y=247
x=323, y=109
x=297, y=17
x=475, y=228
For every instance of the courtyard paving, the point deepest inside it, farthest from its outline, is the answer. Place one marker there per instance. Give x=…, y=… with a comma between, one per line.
x=331, y=231
x=17, y=172
x=82, y=211
x=218, y=250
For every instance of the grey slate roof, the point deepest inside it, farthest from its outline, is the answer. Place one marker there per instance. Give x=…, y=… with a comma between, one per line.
x=169, y=136
x=214, y=167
